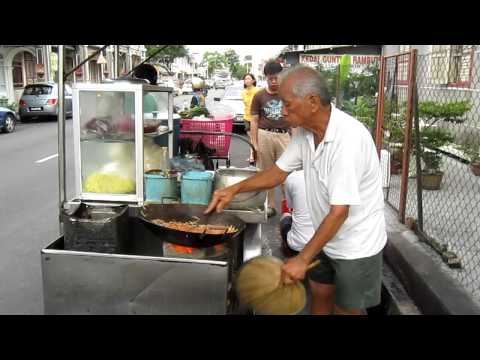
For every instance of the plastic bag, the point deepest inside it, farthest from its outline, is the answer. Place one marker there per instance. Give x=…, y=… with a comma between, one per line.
x=179, y=163
x=221, y=110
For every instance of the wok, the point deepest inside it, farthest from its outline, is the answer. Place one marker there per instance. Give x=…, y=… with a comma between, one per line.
x=185, y=213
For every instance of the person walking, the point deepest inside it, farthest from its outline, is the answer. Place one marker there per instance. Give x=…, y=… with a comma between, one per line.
x=270, y=133
x=249, y=91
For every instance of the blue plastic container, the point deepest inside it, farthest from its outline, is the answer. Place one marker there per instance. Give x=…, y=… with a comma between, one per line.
x=196, y=187
x=159, y=188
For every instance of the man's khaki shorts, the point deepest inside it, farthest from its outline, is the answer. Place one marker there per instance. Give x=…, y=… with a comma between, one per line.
x=358, y=282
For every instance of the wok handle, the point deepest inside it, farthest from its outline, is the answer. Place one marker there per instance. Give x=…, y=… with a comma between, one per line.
x=313, y=264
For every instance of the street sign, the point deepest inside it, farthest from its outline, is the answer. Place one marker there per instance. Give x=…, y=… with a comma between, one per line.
x=331, y=61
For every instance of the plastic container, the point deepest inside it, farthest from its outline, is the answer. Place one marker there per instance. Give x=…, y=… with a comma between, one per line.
x=220, y=143
x=159, y=188
x=102, y=229
x=196, y=187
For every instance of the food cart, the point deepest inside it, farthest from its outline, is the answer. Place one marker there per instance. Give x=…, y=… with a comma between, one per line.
x=109, y=259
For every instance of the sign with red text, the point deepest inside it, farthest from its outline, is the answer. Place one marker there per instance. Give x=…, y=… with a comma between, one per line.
x=331, y=61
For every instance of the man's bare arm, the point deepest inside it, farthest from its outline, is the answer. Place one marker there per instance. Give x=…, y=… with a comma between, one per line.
x=266, y=179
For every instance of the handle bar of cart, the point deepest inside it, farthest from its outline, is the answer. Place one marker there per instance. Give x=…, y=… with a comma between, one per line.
x=225, y=133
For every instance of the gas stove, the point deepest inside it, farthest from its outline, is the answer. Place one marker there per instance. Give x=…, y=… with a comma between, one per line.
x=218, y=252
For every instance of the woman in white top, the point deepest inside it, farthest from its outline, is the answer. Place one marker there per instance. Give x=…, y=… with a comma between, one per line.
x=296, y=229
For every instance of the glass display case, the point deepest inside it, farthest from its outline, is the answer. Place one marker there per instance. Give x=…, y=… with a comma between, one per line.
x=114, y=128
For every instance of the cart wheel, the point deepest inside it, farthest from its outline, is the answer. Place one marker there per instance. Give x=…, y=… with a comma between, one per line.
x=228, y=162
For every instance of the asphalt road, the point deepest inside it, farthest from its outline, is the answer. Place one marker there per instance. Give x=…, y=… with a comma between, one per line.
x=28, y=211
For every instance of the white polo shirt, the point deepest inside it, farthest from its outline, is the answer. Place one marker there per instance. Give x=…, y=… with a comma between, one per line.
x=343, y=170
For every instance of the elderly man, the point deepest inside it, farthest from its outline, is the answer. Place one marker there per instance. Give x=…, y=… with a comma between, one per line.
x=344, y=194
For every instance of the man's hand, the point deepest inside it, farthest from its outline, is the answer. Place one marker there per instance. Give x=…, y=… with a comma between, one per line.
x=221, y=198
x=294, y=270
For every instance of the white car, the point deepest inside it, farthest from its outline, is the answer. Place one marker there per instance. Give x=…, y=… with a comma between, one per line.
x=232, y=99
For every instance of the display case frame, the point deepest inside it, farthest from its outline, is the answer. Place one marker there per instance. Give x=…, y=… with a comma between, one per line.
x=119, y=86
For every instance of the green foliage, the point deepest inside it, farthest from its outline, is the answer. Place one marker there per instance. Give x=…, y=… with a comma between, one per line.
x=330, y=76
x=435, y=137
x=351, y=84
x=432, y=138
x=167, y=56
x=450, y=111
x=195, y=111
x=9, y=105
x=239, y=71
x=170, y=52
x=471, y=149
x=345, y=64
x=214, y=61
x=232, y=59
x=366, y=111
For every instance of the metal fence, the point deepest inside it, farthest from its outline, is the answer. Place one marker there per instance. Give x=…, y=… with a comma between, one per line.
x=434, y=119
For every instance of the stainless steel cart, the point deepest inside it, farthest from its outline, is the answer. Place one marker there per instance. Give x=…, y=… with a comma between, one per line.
x=143, y=278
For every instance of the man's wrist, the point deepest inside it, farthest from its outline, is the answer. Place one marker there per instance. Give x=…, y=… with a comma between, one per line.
x=305, y=257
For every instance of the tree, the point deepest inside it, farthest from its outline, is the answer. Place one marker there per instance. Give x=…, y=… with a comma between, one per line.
x=167, y=55
x=214, y=61
x=239, y=71
x=232, y=59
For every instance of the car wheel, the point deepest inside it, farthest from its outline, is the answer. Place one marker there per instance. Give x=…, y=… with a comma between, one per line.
x=24, y=119
x=10, y=123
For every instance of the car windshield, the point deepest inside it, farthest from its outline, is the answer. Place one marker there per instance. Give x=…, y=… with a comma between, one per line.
x=38, y=90
x=233, y=92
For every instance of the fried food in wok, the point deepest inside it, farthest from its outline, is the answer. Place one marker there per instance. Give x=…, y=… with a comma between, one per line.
x=194, y=227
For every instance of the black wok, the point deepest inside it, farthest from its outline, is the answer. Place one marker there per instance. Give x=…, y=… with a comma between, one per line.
x=184, y=213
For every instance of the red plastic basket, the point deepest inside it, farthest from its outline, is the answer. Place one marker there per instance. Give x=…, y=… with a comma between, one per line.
x=221, y=143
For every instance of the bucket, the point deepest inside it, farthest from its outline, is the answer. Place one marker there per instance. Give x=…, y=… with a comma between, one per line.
x=196, y=187
x=160, y=188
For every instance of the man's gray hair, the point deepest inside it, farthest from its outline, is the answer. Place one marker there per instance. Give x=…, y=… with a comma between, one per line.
x=309, y=82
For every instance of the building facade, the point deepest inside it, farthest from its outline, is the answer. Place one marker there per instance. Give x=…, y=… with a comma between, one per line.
x=446, y=73
x=21, y=65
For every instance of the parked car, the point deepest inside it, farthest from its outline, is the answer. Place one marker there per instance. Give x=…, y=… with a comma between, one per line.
x=42, y=100
x=222, y=83
x=232, y=98
x=8, y=120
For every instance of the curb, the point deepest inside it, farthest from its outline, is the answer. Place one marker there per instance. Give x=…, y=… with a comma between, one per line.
x=433, y=291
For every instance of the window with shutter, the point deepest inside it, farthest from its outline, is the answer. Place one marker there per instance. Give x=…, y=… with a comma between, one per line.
x=402, y=67
x=17, y=70
x=29, y=61
x=439, y=64
x=461, y=61
x=451, y=65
